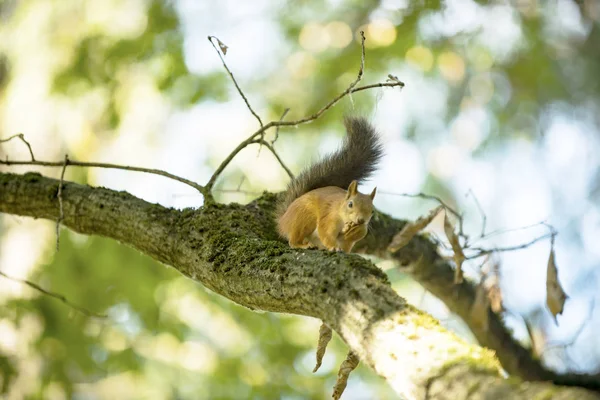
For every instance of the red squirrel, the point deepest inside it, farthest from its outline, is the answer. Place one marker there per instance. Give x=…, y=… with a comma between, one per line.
x=322, y=207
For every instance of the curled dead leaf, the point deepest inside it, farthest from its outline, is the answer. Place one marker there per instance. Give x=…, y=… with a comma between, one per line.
x=409, y=230
x=459, y=256
x=493, y=289
x=325, y=334
x=222, y=46
x=555, y=295
x=347, y=366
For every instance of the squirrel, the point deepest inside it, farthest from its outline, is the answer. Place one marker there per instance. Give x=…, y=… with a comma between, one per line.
x=322, y=207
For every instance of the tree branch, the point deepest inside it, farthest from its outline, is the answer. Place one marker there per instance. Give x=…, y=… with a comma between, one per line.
x=421, y=260
x=193, y=184
x=234, y=250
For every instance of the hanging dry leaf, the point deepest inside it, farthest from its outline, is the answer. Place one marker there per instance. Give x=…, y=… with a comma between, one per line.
x=494, y=292
x=479, y=310
x=459, y=256
x=555, y=295
x=348, y=365
x=325, y=334
x=411, y=229
x=222, y=45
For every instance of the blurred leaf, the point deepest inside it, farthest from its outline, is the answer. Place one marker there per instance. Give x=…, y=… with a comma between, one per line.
x=555, y=295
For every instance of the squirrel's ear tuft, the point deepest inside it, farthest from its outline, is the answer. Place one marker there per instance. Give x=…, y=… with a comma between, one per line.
x=352, y=189
x=372, y=195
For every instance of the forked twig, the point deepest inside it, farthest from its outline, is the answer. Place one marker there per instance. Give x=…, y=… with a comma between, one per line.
x=458, y=216
x=378, y=85
x=277, y=129
x=480, y=252
x=260, y=132
x=507, y=230
x=483, y=216
x=22, y=138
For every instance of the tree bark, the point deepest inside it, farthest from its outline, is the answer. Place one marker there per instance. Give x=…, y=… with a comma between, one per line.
x=234, y=250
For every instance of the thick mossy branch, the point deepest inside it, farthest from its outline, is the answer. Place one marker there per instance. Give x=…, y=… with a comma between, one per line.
x=234, y=250
x=421, y=260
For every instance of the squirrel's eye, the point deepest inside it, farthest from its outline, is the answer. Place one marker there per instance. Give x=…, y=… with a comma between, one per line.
x=349, y=204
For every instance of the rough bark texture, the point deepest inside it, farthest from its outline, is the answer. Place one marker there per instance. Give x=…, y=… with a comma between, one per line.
x=234, y=251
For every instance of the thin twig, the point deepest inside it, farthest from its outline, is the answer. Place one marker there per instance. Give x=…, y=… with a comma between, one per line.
x=246, y=192
x=438, y=241
x=241, y=182
x=483, y=216
x=377, y=85
x=61, y=216
x=551, y=228
x=575, y=336
x=22, y=137
x=210, y=39
x=196, y=186
x=346, y=92
x=430, y=197
x=54, y=295
x=508, y=230
x=220, y=168
x=237, y=191
x=482, y=252
x=277, y=129
x=304, y=120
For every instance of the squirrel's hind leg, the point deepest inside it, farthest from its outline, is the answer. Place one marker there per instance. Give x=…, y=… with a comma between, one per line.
x=301, y=244
x=300, y=240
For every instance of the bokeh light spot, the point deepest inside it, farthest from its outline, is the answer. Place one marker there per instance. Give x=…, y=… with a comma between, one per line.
x=421, y=57
x=340, y=34
x=452, y=66
x=314, y=37
x=381, y=33
x=301, y=65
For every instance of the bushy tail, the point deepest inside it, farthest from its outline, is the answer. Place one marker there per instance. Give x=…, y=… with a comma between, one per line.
x=356, y=160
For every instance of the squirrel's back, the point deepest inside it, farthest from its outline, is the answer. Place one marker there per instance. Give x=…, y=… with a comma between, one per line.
x=356, y=160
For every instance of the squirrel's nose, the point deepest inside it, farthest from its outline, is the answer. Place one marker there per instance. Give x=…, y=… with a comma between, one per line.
x=361, y=221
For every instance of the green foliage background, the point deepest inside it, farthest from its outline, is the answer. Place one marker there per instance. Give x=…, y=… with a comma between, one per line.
x=167, y=337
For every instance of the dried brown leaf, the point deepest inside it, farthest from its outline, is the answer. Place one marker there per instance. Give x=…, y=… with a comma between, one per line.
x=222, y=46
x=479, y=310
x=411, y=229
x=325, y=334
x=555, y=295
x=494, y=291
x=459, y=256
x=348, y=365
